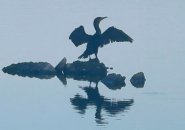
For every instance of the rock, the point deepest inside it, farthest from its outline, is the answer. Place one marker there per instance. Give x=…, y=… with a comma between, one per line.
x=61, y=65
x=91, y=70
x=138, y=80
x=62, y=78
x=114, y=81
x=42, y=70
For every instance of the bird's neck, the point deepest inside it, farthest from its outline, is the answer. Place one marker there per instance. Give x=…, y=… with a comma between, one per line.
x=97, y=28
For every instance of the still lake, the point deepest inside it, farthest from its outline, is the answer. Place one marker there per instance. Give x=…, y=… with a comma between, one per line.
x=39, y=30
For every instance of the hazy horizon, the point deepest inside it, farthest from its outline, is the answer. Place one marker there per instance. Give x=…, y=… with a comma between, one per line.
x=38, y=30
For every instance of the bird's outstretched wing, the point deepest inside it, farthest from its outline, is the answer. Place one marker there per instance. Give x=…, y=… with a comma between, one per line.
x=113, y=34
x=79, y=36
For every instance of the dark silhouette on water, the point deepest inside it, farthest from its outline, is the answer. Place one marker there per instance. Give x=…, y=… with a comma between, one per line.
x=110, y=106
x=138, y=80
x=41, y=70
x=92, y=71
x=114, y=81
x=112, y=34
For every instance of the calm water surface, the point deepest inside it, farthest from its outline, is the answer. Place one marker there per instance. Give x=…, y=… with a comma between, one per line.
x=38, y=31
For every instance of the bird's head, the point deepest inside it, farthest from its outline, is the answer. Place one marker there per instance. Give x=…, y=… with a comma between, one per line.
x=98, y=19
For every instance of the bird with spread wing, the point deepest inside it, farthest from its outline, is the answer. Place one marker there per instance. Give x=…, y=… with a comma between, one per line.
x=112, y=34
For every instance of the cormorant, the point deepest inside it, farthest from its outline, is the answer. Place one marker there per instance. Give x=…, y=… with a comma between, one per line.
x=112, y=34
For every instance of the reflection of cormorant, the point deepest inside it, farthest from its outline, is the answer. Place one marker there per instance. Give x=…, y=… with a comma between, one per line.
x=78, y=37
x=95, y=99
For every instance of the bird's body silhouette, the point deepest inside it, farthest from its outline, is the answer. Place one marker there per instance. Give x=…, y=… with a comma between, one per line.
x=79, y=36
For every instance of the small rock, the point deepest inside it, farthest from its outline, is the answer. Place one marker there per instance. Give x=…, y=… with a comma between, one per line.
x=61, y=65
x=41, y=70
x=138, y=80
x=114, y=81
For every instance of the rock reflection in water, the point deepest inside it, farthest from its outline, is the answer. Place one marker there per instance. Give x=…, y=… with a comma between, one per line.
x=110, y=106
